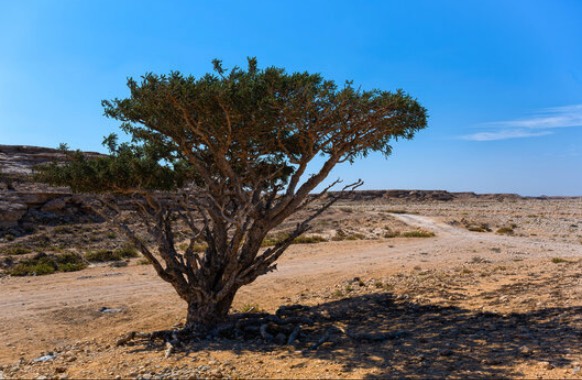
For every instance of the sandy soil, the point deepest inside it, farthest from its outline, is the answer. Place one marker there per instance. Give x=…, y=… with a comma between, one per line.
x=460, y=304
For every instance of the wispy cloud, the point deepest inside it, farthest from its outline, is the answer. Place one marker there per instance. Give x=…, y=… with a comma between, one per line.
x=540, y=124
x=505, y=134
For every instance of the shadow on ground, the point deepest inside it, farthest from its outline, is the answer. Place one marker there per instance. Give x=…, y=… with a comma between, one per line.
x=396, y=338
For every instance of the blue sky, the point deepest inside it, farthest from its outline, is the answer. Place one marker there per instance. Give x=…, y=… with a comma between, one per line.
x=502, y=80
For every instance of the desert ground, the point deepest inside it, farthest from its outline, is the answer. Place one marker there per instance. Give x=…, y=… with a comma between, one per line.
x=495, y=293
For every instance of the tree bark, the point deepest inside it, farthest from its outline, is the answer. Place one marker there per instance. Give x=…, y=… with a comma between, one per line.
x=205, y=314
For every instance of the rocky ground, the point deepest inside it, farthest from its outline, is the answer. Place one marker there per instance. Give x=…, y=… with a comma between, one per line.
x=462, y=303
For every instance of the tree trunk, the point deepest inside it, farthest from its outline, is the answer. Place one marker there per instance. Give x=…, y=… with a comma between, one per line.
x=206, y=314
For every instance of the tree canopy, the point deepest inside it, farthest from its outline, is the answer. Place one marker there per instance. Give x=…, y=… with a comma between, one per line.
x=246, y=128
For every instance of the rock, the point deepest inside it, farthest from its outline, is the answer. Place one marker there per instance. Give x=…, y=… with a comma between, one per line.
x=25, y=203
x=525, y=350
x=545, y=365
x=12, y=211
x=107, y=310
x=54, y=205
x=45, y=358
x=71, y=359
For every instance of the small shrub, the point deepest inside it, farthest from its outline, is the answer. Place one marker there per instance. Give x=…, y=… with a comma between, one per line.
x=144, y=261
x=478, y=260
x=111, y=235
x=505, y=231
x=201, y=247
x=251, y=308
x=475, y=226
x=418, y=234
x=32, y=269
x=71, y=267
x=559, y=260
x=70, y=262
x=391, y=234
x=16, y=250
x=42, y=264
x=271, y=240
x=309, y=239
x=342, y=235
x=337, y=293
x=58, y=248
x=128, y=250
x=102, y=255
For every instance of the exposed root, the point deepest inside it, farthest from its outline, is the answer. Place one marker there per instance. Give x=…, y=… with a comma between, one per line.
x=296, y=325
x=321, y=340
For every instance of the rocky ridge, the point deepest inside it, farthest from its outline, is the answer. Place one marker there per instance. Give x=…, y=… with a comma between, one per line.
x=24, y=203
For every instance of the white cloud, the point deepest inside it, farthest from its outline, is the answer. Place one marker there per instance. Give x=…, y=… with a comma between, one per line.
x=504, y=135
x=540, y=124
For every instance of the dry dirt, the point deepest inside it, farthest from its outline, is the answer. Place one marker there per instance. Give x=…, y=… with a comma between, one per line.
x=460, y=304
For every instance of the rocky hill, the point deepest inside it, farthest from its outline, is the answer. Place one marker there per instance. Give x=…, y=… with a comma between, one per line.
x=20, y=159
x=24, y=203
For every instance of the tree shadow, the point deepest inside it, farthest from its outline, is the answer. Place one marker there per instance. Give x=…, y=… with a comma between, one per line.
x=399, y=338
x=441, y=341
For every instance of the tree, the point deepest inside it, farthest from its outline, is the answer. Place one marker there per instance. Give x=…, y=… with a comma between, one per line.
x=234, y=148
